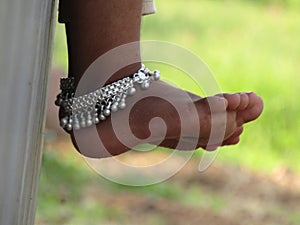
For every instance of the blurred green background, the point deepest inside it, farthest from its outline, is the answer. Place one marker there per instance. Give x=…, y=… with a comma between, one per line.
x=249, y=46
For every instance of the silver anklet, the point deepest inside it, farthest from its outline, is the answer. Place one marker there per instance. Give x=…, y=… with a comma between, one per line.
x=89, y=109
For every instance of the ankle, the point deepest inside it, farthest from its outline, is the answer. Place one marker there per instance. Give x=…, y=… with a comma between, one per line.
x=92, y=107
x=124, y=72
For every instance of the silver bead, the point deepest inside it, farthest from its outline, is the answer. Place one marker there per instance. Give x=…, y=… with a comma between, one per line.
x=156, y=75
x=106, y=112
x=131, y=91
x=122, y=105
x=58, y=101
x=63, y=122
x=89, y=123
x=96, y=120
x=114, y=107
x=83, y=123
x=102, y=117
x=69, y=127
x=142, y=76
x=76, y=126
x=145, y=85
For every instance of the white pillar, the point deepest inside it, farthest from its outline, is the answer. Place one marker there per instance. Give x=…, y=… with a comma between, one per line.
x=26, y=28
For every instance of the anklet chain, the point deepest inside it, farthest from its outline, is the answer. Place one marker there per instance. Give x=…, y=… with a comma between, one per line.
x=89, y=109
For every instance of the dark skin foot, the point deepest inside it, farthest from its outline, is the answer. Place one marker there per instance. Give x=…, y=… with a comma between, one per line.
x=229, y=112
x=95, y=27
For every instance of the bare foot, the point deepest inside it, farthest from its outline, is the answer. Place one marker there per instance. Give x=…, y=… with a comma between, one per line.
x=186, y=122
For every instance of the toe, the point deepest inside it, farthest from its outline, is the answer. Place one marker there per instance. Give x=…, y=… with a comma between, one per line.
x=233, y=100
x=232, y=141
x=244, y=101
x=252, y=111
x=216, y=104
x=234, y=138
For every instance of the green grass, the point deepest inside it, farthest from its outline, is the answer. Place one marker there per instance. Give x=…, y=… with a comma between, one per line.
x=66, y=194
x=62, y=184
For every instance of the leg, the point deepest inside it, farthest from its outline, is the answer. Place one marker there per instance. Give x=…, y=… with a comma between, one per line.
x=98, y=26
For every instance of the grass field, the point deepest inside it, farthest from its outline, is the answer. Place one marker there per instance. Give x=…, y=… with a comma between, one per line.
x=249, y=47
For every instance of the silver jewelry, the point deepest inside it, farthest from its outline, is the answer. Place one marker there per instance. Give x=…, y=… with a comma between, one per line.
x=89, y=109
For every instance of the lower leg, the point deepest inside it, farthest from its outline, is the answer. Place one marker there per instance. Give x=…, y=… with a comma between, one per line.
x=98, y=26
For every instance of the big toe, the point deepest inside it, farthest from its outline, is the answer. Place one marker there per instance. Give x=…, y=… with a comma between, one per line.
x=252, y=111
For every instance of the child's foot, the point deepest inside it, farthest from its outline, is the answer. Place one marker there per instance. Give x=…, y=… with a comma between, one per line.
x=187, y=117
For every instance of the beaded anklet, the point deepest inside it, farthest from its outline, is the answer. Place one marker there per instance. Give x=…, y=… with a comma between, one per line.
x=89, y=109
